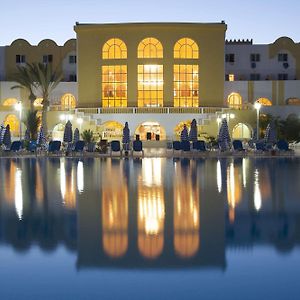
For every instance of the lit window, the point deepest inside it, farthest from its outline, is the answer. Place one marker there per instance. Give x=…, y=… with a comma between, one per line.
x=68, y=101
x=150, y=48
x=10, y=102
x=114, y=86
x=150, y=85
x=186, y=86
x=186, y=48
x=231, y=77
x=264, y=101
x=13, y=123
x=293, y=101
x=38, y=102
x=234, y=100
x=114, y=49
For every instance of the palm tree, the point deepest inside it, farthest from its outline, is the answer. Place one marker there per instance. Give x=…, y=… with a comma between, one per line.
x=45, y=81
x=24, y=80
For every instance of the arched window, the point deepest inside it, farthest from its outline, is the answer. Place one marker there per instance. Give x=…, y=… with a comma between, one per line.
x=234, y=100
x=293, y=101
x=150, y=48
x=13, y=123
x=186, y=48
x=114, y=49
x=38, y=102
x=58, y=132
x=10, y=102
x=264, y=101
x=68, y=101
x=241, y=131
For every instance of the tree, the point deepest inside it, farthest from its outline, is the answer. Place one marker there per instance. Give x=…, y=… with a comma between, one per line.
x=289, y=129
x=24, y=79
x=32, y=123
x=45, y=80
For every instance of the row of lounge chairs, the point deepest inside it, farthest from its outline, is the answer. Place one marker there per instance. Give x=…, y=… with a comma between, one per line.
x=237, y=146
x=115, y=148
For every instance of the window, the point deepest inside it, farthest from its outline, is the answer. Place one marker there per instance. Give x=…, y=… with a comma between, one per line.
x=150, y=48
x=10, y=102
x=72, y=59
x=254, y=76
x=186, y=85
x=150, y=85
x=234, y=100
x=68, y=101
x=231, y=77
x=282, y=76
x=47, y=58
x=186, y=48
x=293, y=101
x=254, y=57
x=229, y=58
x=114, y=86
x=20, y=59
x=282, y=57
x=264, y=101
x=73, y=77
x=114, y=49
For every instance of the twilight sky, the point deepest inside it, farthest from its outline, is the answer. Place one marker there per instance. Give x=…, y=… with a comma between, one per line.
x=34, y=20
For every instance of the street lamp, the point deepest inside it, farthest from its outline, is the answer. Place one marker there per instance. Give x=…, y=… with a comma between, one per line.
x=79, y=121
x=18, y=108
x=257, y=106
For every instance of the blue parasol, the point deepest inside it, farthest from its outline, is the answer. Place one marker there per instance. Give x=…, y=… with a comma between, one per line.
x=7, y=137
x=224, y=137
x=41, y=139
x=184, y=136
x=68, y=135
x=2, y=131
x=193, y=135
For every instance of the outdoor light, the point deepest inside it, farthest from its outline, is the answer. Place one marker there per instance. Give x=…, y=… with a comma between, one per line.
x=257, y=106
x=18, y=107
x=79, y=121
x=232, y=116
x=219, y=121
x=62, y=117
x=70, y=117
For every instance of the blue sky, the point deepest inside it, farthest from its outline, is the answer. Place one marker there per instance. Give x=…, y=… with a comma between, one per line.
x=34, y=20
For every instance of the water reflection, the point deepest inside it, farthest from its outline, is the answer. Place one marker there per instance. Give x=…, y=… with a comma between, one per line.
x=186, y=209
x=114, y=210
x=147, y=212
x=151, y=208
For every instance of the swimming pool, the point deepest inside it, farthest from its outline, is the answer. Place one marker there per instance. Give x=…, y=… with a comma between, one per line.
x=149, y=228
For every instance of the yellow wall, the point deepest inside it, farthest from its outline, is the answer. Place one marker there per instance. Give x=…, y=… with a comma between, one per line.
x=35, y=53
x=209, y=37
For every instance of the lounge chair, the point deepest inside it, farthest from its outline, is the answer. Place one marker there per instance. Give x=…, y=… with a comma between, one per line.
x=79, y=146
x=115, y=146
x=176, y=146
x=283, y=145
x=238, y=146
x=137, y=146
x=199, y=146
x=15, y=146
x=32, y=146
x=102, y=146
x=54, y=147
x=185, y=146
x=260, y=146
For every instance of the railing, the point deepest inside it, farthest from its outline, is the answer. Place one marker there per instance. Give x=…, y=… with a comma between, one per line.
x=151, y=110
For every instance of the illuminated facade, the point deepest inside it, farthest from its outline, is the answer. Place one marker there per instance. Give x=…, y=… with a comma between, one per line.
x=159, y=74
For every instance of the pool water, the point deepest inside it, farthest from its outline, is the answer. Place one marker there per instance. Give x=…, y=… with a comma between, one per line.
x=151, y=228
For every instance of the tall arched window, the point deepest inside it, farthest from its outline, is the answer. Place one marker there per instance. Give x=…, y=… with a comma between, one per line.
x=186, y=48
x=264, y=101
x=114, y=49
x=150, y=48
x=241, y=131
x=234, y=100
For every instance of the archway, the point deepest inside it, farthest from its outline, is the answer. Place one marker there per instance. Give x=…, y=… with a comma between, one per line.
x=241, y=131
x=13, y=123
x=58, y=132
x=10, y=102
x=264, y=101
x=112, y=130
x=68, y=101
x=150, y=131
x=179, y=127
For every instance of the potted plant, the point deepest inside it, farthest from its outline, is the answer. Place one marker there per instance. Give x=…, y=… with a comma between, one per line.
x=88, y=137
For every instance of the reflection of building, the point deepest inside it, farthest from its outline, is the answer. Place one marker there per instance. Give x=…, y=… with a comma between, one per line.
x=186, y=211
x=114, y=211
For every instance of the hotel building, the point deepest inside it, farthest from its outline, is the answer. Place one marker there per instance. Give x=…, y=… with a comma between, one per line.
x=157, y=76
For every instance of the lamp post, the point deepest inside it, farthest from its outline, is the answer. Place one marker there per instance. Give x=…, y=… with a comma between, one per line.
x=18, y=108
x=257, y=106
x=79, y=121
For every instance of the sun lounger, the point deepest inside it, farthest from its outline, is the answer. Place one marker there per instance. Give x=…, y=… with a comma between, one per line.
x=199, y=146
x=283, y=145
x=137, y=146
x=15, y=146
x=238, y=146
x=185, y=146
x=79, y=146
x=54, y=147
x=115, y=147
